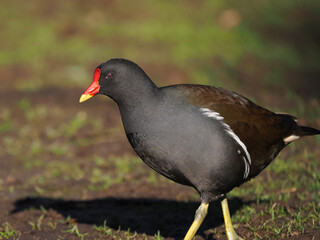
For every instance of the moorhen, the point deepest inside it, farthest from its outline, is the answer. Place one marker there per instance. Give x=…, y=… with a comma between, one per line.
x=206, y=137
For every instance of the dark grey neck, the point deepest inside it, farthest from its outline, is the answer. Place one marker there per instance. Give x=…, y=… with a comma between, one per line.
x=137, y=97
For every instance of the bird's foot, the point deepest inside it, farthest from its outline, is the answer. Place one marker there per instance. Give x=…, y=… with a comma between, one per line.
x=232, y=235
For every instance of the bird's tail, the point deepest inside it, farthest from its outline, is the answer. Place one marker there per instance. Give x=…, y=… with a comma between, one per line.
x=301, y=131
x=306, y=131
x=297, y=131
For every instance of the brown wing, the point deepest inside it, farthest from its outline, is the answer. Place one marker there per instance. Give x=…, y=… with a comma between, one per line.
x=261, y=130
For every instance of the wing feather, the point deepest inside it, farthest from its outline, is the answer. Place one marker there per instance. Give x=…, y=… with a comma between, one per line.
x=261, y=130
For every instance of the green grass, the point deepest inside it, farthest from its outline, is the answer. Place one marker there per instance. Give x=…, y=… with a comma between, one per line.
x=157, y=236
x=280, y=220
x=75, y=231
x=50, y=146
x=105, y=230
x=123, y=170
x=244, y=215
x=284, y=179
x=7, y=232
x=37, y=225
x=166, y=36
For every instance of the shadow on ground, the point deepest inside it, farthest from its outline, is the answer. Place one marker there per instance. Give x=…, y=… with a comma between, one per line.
x=172, y=218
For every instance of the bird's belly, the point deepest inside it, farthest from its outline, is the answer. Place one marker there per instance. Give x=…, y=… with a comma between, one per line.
x=205, y=161
x=157, y=157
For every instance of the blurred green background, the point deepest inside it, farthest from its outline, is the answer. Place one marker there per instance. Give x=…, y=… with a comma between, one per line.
x=52, y=146
x=267, y=46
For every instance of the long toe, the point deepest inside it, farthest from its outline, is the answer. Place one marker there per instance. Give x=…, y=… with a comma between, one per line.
x=232, y=235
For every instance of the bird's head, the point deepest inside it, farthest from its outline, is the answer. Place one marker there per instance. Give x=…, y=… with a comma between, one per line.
x=120, y=79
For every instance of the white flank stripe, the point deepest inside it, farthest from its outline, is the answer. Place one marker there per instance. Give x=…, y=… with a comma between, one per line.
x=247, y=168
x=209, y=113
x=247, y=160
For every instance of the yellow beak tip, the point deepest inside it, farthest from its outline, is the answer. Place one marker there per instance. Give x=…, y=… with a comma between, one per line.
x=84, y=97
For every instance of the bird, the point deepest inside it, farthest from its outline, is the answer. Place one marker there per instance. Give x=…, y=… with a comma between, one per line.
x=205, y=137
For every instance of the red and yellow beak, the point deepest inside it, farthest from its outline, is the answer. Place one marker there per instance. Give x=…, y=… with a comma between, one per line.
x=94, y=87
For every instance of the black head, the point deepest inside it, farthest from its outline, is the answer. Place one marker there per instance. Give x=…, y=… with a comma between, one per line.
x=120, y=79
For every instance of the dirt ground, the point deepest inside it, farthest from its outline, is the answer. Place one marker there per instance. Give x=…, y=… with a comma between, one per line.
x=66, y=169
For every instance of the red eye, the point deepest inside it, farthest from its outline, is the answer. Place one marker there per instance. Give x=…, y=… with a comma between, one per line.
x=109, y=75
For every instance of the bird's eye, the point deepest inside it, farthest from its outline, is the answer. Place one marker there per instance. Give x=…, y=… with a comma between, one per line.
x=109, y=75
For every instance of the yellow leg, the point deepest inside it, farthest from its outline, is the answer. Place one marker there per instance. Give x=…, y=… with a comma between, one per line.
x=201, y=213
x=231, y=234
